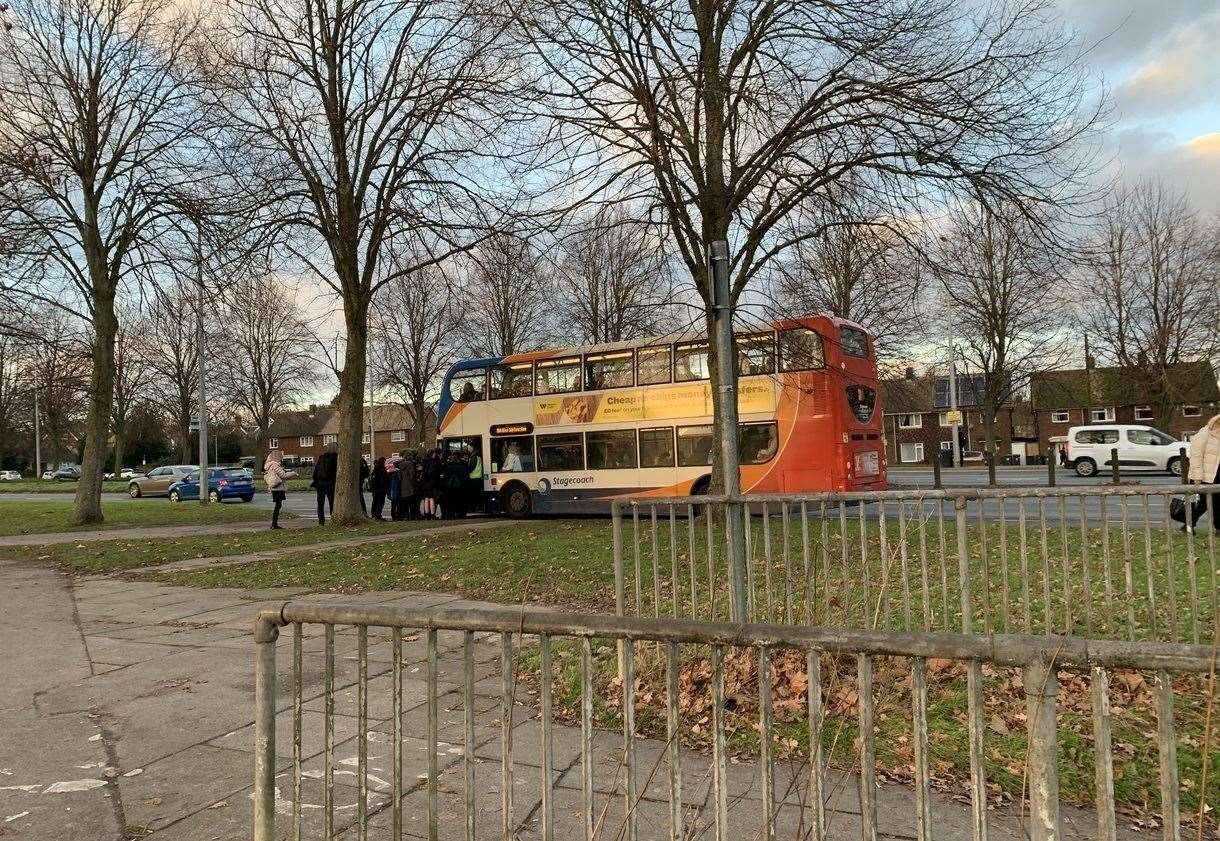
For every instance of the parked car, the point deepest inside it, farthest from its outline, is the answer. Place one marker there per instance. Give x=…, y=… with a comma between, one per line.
x=66, y=474
x=158, y=480
x=107, y=476
x=1089, y=449
x=972, y=457
x=48, y=474
x=129, y=473
x=10, y=475
x=223, y=483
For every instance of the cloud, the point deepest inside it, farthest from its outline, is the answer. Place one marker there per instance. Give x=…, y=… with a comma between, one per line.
x=1179, y=71
x=1119, y=32
x=1192, y=167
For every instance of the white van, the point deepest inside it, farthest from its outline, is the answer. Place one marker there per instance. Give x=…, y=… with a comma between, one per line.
x=1139, y=448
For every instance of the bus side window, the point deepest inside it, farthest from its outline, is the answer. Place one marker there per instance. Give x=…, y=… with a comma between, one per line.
x=611, y=449
x=657, y=447
x=513, y=455
x=468, y=386
x=653, y=365
x=757, y=442
x=694, y=446
x=755, y=354
x=800, y=349
x=561, y=452
x=690, y=362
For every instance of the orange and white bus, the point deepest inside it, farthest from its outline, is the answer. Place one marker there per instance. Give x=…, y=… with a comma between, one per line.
x=565, y=431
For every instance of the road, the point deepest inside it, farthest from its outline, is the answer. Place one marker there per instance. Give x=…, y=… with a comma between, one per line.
x=1025, y=477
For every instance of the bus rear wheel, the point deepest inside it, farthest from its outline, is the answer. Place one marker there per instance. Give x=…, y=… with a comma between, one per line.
x=515, y=500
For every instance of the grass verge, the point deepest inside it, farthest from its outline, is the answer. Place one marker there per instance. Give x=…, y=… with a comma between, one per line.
x=103, y=556
x=41, y=517
x=41, y=486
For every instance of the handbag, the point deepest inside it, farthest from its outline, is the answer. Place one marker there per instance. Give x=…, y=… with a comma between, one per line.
x=1177, y=508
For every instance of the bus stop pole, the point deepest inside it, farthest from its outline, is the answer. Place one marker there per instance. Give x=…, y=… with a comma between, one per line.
x=726, y=384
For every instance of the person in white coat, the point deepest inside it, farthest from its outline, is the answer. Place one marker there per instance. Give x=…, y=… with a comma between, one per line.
x=277, y=478
x=1205, y=463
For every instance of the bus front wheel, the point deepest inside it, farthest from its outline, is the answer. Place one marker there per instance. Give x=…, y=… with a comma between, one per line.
x=515, y=500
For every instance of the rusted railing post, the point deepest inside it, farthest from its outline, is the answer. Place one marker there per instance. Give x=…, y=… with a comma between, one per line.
x=266, y=632
x=1114, y=465
x=1041, y=689
x=936, y=478
x=1050, y=467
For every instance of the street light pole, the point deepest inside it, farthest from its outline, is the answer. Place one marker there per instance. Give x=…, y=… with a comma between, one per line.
x=957, y=444
x=726, y=385
x=199, y=345
x=37, y=440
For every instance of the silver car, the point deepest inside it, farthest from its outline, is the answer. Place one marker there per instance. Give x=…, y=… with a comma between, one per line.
x=158, y=480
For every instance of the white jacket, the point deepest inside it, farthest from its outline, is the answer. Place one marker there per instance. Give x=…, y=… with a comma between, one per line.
x=275, y=475
x=1205, y=452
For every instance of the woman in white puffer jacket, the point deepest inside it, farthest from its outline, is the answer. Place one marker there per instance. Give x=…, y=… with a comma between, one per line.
x=277, y=478
x=1205, y=462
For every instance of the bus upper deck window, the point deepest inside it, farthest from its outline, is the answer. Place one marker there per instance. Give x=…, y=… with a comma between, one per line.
x=853, y=342
x=609, y=370
x=468, y=386
x=557, y=376
x=800, y=349
x=755, y=354
x=690, y=362
x=512, y=380
x=652, y=365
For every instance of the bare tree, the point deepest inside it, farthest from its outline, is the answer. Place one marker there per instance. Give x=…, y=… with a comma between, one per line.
x=864, y=270
x=506, y=304
x=134, y=374
x=56, y=365
x=266, y=364
x=413, y=334
x=614, y=281
x=361, y=125
x=1154, y=270
x=175, y=360
x=1000, y=284
x=731, y=116
x=94, y=133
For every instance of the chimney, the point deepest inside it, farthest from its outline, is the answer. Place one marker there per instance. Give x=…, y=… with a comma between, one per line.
x=910, y=372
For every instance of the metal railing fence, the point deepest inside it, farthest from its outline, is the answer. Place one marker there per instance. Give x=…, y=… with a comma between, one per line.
x=1103, y=562
x=489, y=723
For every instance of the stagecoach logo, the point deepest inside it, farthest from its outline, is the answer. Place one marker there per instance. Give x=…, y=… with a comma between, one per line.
x=545, y=485
x=862, y=401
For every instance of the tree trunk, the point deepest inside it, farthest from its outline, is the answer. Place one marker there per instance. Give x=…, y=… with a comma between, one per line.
x=419, y=407
x=351, y=414
x=989, y=413
x=119, y=435
x=87, y=507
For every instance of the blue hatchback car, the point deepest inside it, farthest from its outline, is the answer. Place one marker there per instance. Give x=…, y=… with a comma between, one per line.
x=223, y=483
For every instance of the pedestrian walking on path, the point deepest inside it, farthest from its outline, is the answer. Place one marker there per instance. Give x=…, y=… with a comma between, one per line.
x=323, y=482
x=1205, y=463
x=277, y=478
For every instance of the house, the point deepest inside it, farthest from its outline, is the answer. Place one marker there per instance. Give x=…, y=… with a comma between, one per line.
x=1081, y=396
x=917, y=421
x=304, y=435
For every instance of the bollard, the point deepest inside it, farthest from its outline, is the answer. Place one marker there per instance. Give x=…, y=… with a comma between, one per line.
x=936, y=479
x=1114, y=464
x=1184, y=461
x=265, y=635
x=1050, y=468
x=1041, y=688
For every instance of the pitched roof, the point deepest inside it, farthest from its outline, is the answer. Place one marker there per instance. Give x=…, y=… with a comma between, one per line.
x=1081, y=388
x=908, y=395
x=292, y=422
x=385, y=416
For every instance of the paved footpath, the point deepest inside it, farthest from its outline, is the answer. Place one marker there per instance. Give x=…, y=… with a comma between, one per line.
x=126, y=710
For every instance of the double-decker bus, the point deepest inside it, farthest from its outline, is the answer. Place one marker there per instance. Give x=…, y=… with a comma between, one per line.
x=565, y=431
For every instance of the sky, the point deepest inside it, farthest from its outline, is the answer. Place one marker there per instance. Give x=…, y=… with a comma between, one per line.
x=1160, y=61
